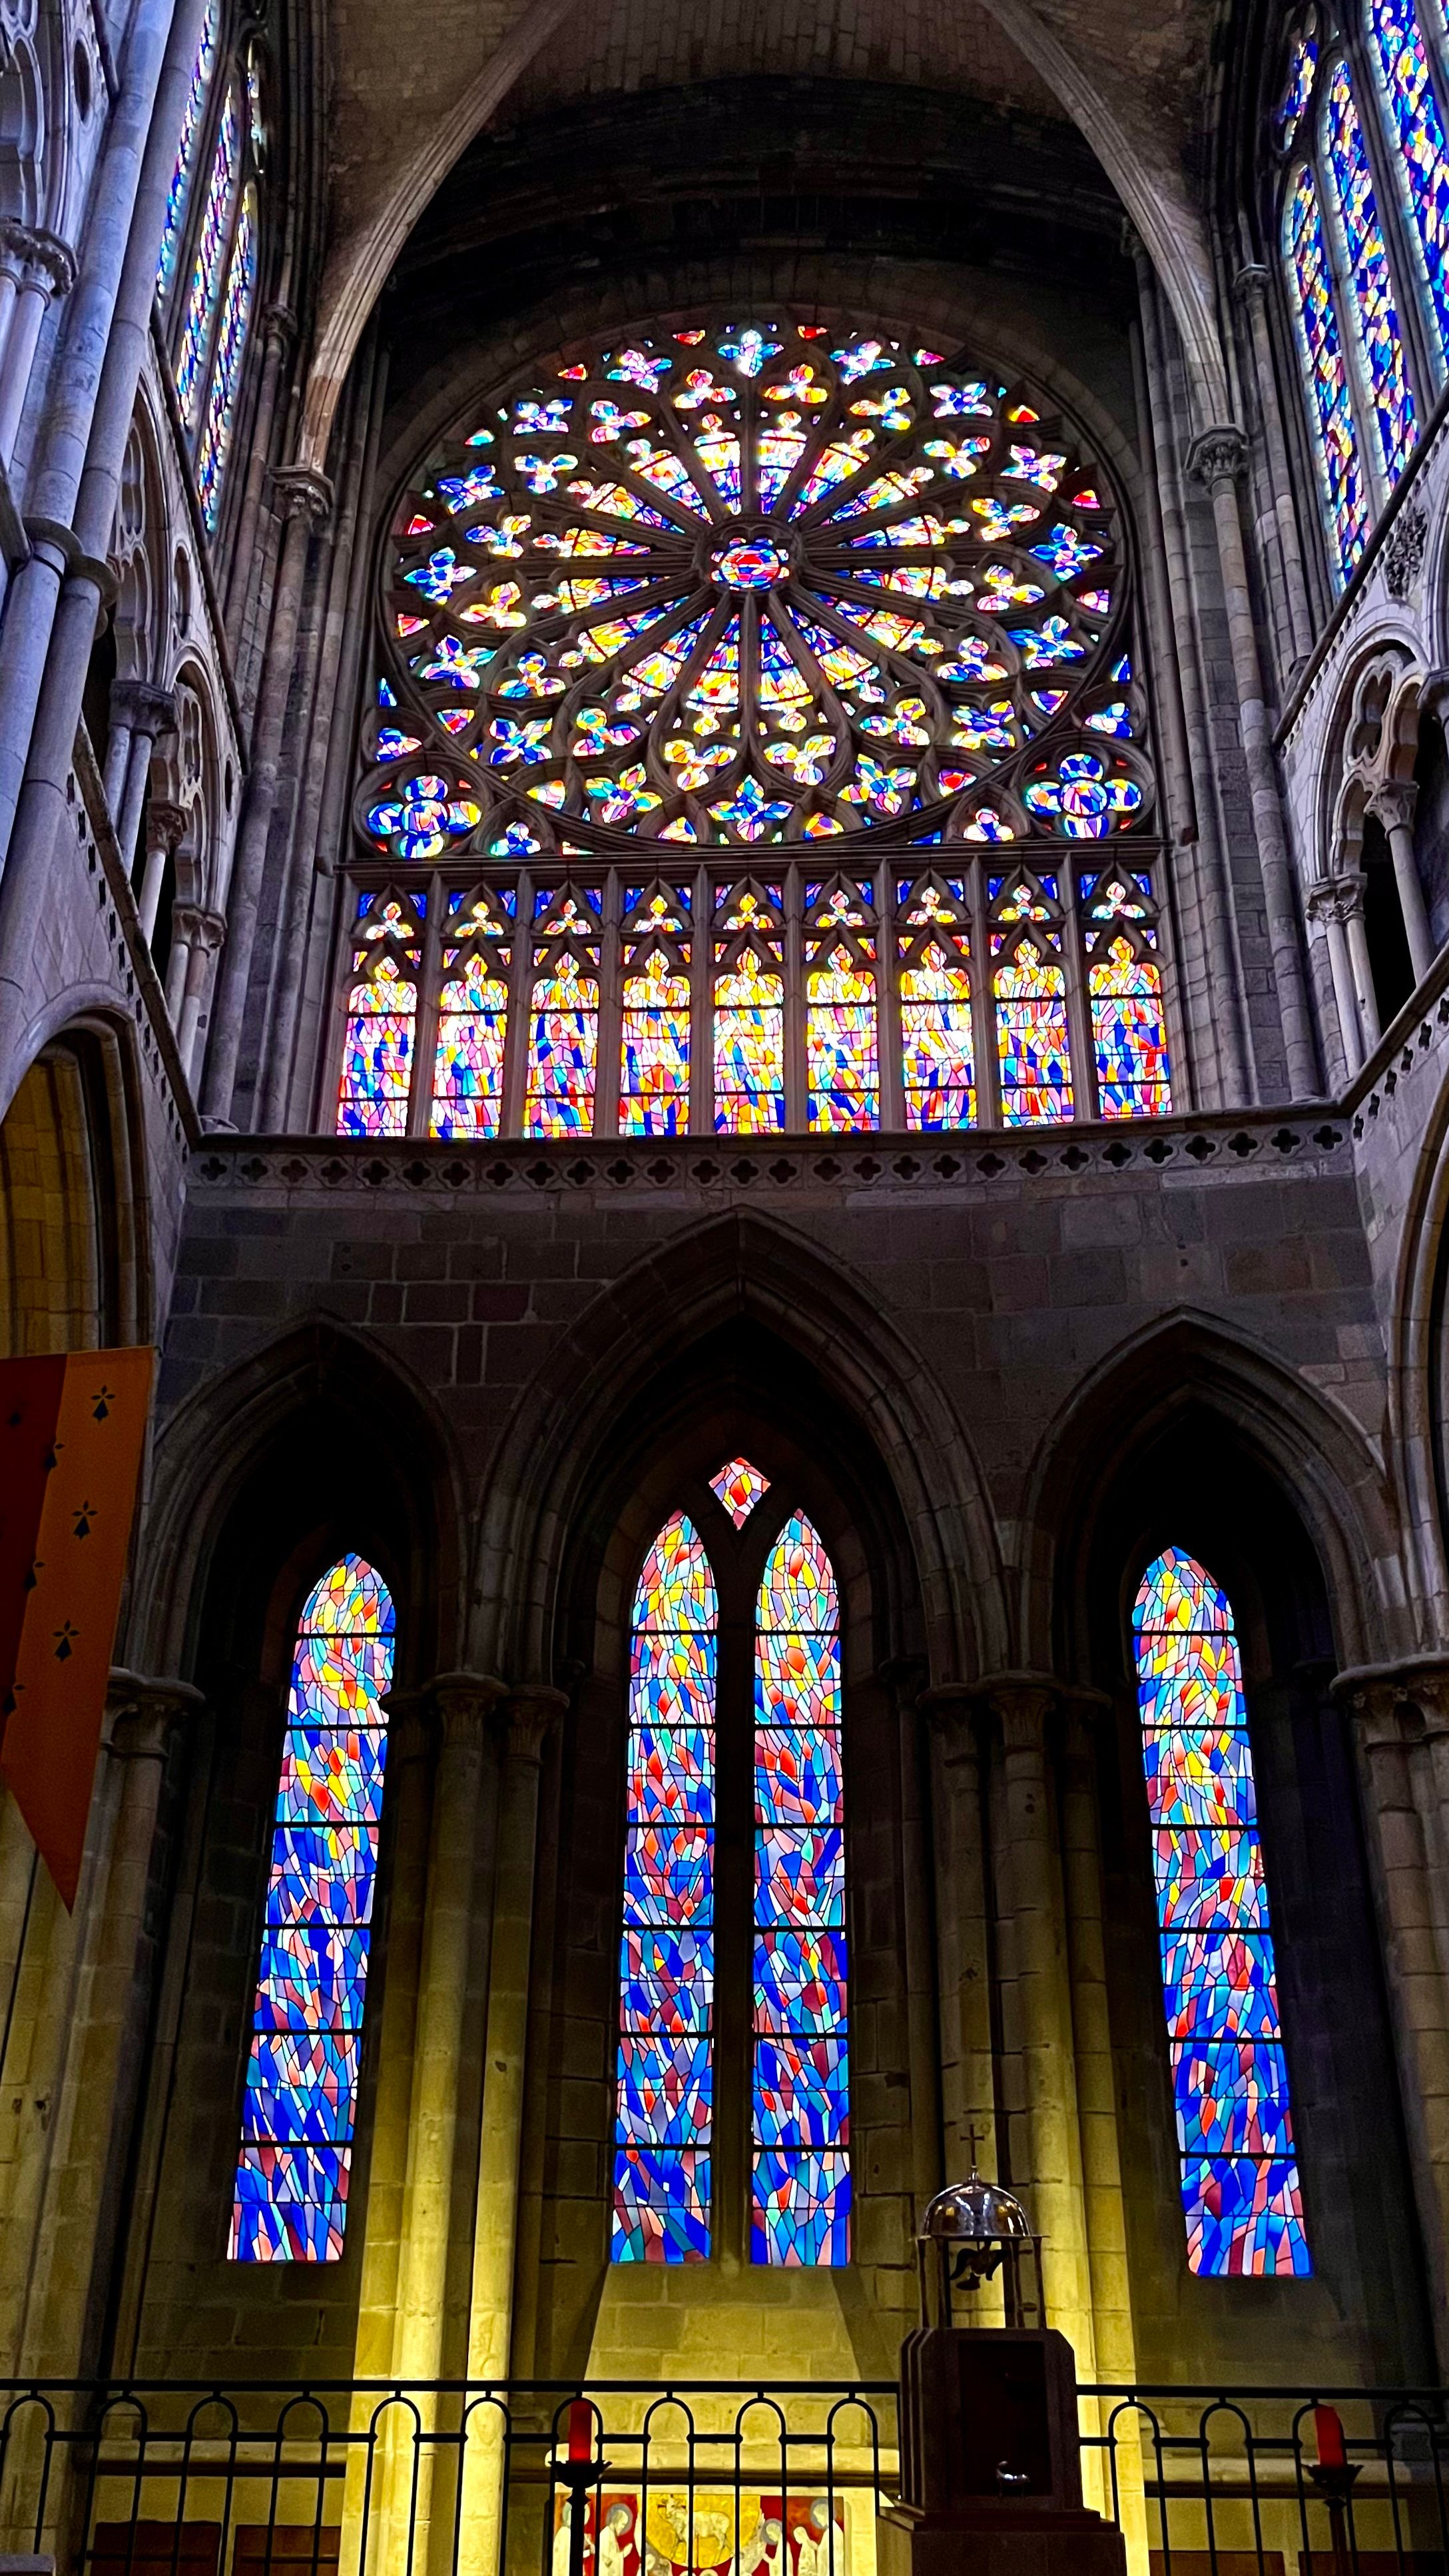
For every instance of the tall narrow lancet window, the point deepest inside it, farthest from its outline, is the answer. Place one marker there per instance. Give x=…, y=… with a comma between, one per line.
x=1330, y=402
x=1240, y=2190
x=219, y=419
x=300, y=2103
x=1367, y=277
x=209, y=263
x=801, y=2102
x=664, y=2124
x=1415, y=121
x=186, y=151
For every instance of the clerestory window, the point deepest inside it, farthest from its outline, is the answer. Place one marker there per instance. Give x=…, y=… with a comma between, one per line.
x=220, y=227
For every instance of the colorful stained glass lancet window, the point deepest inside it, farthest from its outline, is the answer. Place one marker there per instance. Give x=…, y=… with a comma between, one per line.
x=209, y=265
x=1367, y=275
x=1320, y=349
x=654, y=1050
x=840, y=1044
x=1129, y=1035
x=749, y=1049
x=1421, y=152
x=382, y=1009
x=1032, y=1045
x=1240, y=2190
x=666, y=1972
x=186, y=151
x=801, y=2095
x=301, y=2083
x=236, y=313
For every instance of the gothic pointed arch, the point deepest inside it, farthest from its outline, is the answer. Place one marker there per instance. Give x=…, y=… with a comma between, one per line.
x=1190, y=1360
x=276, y=1444
x=639, y=1334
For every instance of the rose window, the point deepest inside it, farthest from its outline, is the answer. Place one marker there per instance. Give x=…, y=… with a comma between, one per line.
x=766, y=582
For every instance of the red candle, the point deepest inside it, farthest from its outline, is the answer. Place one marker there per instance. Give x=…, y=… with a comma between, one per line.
x=581, y=2429
x=1328, y=2434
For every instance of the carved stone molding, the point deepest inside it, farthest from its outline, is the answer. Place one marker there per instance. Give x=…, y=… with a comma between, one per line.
x=301, y=493
x=1404, y=551
x=1337, y=898
x=530, y=1713
x=145, y=708
x=1393, y=804
x=1218, y=455
x=142, y=1713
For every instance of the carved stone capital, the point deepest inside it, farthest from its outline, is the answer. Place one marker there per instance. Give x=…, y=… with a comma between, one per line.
x=37, y=258
x=1218, y=455
x=1338, y=899
x=1021, y=1703
x=1397, y=1706
x=529, y=1714
x=301, y=493
x=464, y=1703
x=1393, y=804
x=279, y=324
x=210, y=931
x=145, y=708
x=1251, y=283
x=165, y=826
x=143, y=1713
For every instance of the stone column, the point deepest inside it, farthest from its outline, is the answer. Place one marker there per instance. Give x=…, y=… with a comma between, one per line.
x=304, y=500
x=530, y=1714
x=1217, y=457
x=963, y=1931
x=149, y=717
x=1401, y=1725
x=204, y=933
x=1394, y=804
x=1038, y=2070
x=1251, y=283
x=461, y=1702
x=42, y=266
x=409, y=1784
x=1336, y=903
x=165, y=826
x=1084, y=1713
x=103, y=2055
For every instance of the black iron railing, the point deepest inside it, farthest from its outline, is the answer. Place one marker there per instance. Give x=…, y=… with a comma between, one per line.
x=256, y=2478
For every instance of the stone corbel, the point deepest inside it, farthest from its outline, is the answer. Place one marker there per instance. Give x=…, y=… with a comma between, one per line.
x=142, y=1713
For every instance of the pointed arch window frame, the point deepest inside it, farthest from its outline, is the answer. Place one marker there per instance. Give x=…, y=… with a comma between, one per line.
x=1342, y=41
x=219, y=332
x=299, y=2104
x=1242, y=2196
x=798, y=2159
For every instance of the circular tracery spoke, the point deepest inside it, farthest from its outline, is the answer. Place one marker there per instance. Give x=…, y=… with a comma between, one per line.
x=769, y=581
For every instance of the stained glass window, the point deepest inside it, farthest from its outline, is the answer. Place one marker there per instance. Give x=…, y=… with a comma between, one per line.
x=186, y=150
x=737, y=1487
x=473, y=1024
x=1367, y=276
x=236, y=313
x=382, y=1006
x=938, y=1047
x=654, y=1044
x=664, y=2122
x=753, y=582
x=301, y=2082
x=749, y=1011
x=1416, y=129
x=209, y=263
x=1032, y=1045
x=1128, y=1032
x=801, y=2096
x=1241, y=2194
x=1320, y=340
x=563, y=1044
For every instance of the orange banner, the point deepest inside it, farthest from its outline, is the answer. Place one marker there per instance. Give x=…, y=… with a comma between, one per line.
x=72, y=1431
